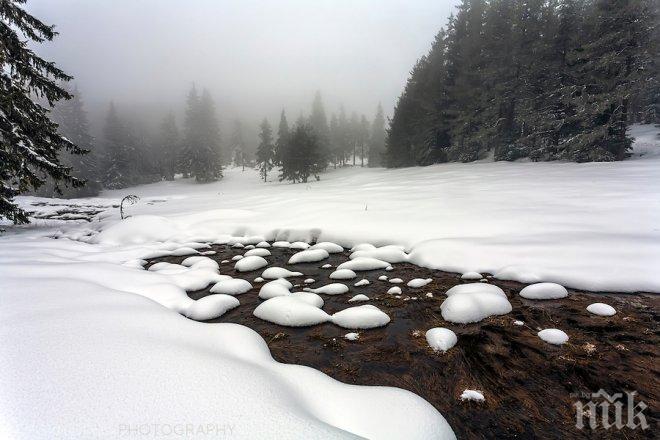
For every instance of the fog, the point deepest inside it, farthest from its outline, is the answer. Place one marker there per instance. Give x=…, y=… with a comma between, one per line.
x=256, y=57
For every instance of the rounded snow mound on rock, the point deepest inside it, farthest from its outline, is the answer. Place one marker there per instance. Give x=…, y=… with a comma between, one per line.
x=253, y=262
x=553, y=336
x=391, y=254
x=361, y=317
x=364, y=263
x=601, y=309
x=342, y=274
x=309, y=256
x=257, y=252
x=441, y=339
x=211, y=307
x=416, y=283
x=290, y=311
x=329, y=247
x=467, y=303
x=273, y=273
x=278, y=287
x=331, y=289
x=544, y=291
x=137, y=230
x=234, y=286
x=471, y=276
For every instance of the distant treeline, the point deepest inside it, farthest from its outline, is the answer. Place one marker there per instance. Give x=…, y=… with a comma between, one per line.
x=538, y=79
x=128, y=154
x=313, y=144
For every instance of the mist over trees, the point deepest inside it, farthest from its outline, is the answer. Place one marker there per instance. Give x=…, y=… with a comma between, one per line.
x=546, y=80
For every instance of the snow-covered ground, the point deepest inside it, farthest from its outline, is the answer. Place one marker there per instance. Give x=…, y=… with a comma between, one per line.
x=88, y=350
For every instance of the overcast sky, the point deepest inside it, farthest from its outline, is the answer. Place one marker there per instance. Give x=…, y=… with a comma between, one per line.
x=255, y=56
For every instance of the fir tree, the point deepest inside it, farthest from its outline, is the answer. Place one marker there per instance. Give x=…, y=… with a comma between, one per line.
x=282, y=139
x=319, y=123
x=201, y=154
x=121, y=158
x=302, y=157
x=237, y=144
x=266, y=150
x=377, y=139
x=170, y=146
x=29, y=140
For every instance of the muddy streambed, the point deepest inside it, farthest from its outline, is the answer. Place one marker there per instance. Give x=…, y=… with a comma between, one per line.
x=530, y=386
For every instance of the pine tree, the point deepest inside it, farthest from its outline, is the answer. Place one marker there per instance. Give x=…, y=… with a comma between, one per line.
x=29, y=141
x=72, y=122
x=202, y=156
x=237, y=144
x=319, y=123
x=266, y=150
x=343, y=136
x=282, y=139
x=121, y=158
x=377, y=139
x=302, y=157
x=170, y=146
x=363, y=138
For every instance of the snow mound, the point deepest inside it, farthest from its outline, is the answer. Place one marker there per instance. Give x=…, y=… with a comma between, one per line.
x=263, y=244
x=518, y=323
x=309, y=298
x=273, y=273
x=258, y=252
x=475, y=288
x=363, y=282
x=466, y=303
x=358, y=298
x=309, y=281
x=138, y=229
x=352, y=336
x=186, y=250
x=471, y=276
x=361, y=317
x=290, y=311
x=390, y=254
x=382, y=278
x=343, y=274
x=474, y=395
x=329, y=247
x=258, y=280
x=441, y=339
x=251, y=263
x=419, y=282
x=234, y=286
x=238, y=245
x=396, y=280
x=211, y=307
x=201, y=262
x=299, y=245
x=282, y=244
x=601, y=309
x=309, y=256
x=553, y=336
x=331, y=289
x=544, y=291
x=396, y=290
x=237, y=257
x=278, y=287
x=326, y=266
x=364, y=263
x=363, y=247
